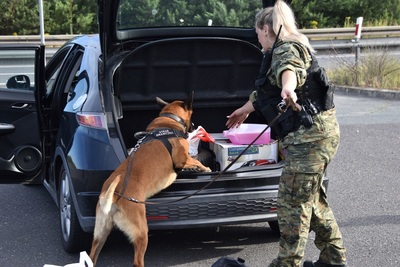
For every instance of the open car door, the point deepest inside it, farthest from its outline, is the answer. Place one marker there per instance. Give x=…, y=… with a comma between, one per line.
x=21, y=79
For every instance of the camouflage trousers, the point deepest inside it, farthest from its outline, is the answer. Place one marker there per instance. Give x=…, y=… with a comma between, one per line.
x=302, y=202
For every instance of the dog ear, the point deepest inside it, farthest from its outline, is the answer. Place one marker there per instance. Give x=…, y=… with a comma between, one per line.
x=190, y=102
x=161, y=103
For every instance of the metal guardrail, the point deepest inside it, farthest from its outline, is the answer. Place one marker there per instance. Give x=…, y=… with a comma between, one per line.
x=327, y=34
x=348, y=33
x=54, y=41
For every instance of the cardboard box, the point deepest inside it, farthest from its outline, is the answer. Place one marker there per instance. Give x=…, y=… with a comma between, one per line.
x=226, y=152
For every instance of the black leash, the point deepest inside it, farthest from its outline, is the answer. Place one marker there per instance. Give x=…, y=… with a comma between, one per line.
x=282, y=107
x=128, y=171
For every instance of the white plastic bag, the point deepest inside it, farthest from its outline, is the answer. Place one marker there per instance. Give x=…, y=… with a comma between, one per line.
x=84, y=260
x=194, y=139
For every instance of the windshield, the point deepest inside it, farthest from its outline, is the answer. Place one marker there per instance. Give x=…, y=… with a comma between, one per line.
x=166, y=13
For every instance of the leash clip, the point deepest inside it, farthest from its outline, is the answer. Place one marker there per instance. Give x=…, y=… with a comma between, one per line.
x=282, y=107
x=286, y=103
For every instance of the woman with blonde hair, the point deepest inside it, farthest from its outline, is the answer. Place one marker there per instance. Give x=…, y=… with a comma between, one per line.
x=290, y=72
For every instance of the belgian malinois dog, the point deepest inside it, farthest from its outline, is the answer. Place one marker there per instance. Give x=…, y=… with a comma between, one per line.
x=148, y=170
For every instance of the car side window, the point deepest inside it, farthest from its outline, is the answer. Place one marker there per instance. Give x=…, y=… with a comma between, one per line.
x=78, y=92
x=66, y=80
x=17, y=69
x=51, y=81
x=54, y=67
x=73, y=78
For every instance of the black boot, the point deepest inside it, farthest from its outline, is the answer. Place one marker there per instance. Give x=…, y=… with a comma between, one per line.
x=320, y=264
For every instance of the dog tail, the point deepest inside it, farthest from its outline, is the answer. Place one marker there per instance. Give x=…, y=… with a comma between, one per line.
x=107, y=199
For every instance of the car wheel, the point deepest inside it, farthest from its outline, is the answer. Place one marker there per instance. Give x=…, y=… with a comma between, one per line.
x=274, y=226
x=73, y=238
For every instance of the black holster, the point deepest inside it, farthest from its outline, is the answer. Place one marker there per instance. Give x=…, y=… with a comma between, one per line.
x=287, y=121
x=321, y=77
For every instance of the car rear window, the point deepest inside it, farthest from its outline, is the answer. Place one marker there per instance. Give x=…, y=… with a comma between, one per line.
x=187, y=13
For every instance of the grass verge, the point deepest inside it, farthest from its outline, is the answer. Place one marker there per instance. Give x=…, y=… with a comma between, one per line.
x=375, y=68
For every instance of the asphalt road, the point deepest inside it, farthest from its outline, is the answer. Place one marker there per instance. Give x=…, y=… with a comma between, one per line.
x=363, y=192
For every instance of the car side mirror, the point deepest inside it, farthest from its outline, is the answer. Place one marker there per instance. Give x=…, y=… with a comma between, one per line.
x=18, y=82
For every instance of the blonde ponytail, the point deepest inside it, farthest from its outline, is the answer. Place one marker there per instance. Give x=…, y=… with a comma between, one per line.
x=282, y=14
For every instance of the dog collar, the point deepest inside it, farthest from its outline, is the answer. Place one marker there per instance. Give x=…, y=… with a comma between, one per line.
x=175, y=118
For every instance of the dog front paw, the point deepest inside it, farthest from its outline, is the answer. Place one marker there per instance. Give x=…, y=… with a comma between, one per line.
x=208, y=169
x=203, y=169
x=196, y=169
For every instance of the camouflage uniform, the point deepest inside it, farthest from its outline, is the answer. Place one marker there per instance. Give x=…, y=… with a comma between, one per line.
x=302, y=202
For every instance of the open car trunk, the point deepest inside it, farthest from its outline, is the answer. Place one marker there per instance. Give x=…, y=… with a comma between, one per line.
x=221, y=72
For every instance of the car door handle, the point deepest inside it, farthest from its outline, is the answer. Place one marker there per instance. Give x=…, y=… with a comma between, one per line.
x=20, y=106
x=6, y=128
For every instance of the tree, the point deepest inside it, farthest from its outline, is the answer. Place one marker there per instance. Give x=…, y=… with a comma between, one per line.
x=70, y=16
x=19, y=17
x=60, y=17
x=79, y=16
x=379, y=12
x=333, y=13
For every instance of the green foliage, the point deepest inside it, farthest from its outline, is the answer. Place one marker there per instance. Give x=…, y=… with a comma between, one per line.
x=60, y=16
x=188, y=13
x=19, y=17
x=79, y=16
x=343, y=13
x=70, y=16
x=380, y=12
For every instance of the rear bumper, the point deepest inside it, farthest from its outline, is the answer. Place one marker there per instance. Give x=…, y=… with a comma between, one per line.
x=212, y=210
x=210, y=207
x=203, y=210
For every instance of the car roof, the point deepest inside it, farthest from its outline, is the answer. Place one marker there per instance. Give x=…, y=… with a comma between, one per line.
x=87, y=40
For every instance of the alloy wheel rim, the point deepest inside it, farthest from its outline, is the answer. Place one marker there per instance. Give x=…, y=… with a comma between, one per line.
x=65, y=207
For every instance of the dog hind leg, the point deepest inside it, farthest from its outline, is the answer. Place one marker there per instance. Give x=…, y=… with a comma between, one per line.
x=140, y=245
x=104, y=221
x=133, y=223
x=103, y=227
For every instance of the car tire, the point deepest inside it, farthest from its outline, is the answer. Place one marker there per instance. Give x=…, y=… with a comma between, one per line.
x=274, y=227
x=73, y=238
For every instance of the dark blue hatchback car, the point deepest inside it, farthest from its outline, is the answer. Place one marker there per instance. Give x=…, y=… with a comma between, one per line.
x=69, y=123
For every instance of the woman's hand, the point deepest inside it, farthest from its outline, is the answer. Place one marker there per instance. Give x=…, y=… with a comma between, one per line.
x=239, y=115
x=289, y=84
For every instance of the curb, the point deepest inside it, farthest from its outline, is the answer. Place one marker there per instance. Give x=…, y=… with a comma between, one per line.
x=368, y=92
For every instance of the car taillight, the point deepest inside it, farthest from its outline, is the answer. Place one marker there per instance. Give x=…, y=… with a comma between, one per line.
x=93, y=120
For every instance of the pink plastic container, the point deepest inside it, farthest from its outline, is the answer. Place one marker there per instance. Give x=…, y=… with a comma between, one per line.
x=247, y=132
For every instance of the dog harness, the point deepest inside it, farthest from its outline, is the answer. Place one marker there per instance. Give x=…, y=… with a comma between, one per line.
x=161, y=134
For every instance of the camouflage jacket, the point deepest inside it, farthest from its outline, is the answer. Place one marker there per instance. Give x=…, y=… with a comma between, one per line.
x=288, y=55
x=296, y=57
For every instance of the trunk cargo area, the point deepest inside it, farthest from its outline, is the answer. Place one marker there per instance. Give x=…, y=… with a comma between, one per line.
x=220, y=71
